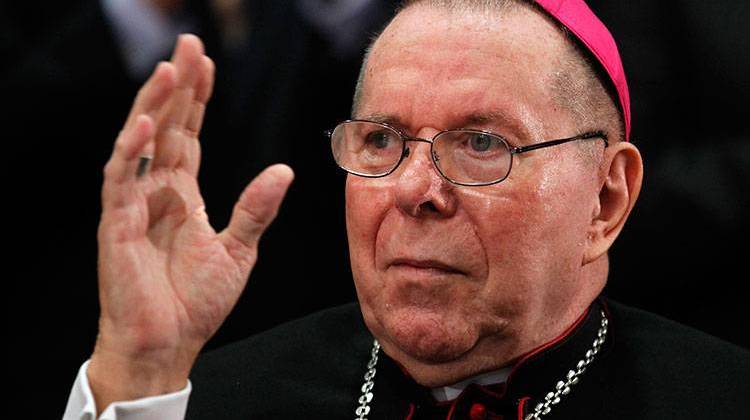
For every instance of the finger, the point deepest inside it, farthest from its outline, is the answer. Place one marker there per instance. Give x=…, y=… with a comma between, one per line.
x=205, y=88
x=172, y=133
x=125, y=162
x=255, y=210
x=128, y=149
x=187, y=57
x=154, y=93
x=203, y=92
x=188, y=63
x=191, y=156
x=191, y=70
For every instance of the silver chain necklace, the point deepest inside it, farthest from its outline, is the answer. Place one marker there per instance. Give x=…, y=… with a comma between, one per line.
x=366, y=398
x=563, y=387
x=541, y=409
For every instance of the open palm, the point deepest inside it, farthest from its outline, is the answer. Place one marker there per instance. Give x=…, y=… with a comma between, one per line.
x=167, y=279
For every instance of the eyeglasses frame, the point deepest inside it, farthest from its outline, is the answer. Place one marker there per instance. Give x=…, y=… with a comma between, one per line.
x=514, y=150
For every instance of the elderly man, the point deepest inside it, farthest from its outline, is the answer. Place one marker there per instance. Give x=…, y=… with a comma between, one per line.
x=490, y=172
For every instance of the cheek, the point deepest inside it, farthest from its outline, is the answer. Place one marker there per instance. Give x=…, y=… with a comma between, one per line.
x=367, y=202
x=512, y=238
x=506, y=227
x=534, y=239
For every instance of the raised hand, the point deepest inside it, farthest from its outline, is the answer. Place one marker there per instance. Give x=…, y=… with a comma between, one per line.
x=167, y=280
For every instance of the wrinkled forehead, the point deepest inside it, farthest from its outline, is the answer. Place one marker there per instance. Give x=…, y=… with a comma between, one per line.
x=450, y=64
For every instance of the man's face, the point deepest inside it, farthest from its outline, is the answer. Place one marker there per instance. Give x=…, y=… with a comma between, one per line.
x=458, y=280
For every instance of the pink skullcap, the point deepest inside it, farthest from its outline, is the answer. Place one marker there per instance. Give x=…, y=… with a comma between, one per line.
x=581, y=21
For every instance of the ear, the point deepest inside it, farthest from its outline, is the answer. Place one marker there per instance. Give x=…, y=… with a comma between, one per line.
x=621, y=174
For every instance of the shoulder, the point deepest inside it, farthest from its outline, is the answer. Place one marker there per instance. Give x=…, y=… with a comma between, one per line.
x=316, y=361
x=652, y=336
x=657, y=367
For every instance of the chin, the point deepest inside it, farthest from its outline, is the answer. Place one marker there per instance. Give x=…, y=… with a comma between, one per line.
x=427, y=336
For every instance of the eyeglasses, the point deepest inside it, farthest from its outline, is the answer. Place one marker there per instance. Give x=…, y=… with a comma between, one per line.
x=463, y=156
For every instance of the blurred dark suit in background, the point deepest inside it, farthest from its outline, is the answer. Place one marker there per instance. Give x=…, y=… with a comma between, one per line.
x=682, y=255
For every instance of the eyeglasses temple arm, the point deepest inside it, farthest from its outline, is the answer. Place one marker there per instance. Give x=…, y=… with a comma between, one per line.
x=586, y=136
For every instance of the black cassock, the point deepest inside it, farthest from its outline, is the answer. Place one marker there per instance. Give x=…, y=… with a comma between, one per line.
x=313, y=368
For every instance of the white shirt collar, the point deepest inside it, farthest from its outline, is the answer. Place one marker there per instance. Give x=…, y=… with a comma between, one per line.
x=447, y=393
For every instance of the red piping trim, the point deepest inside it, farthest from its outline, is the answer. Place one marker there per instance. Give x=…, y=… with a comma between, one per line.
x=522, y=407
x=411, y=412
x=452, y=410
x=612, y=324
x=488, y=391
x=549, y=344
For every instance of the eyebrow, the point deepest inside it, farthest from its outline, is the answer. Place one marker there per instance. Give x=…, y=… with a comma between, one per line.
x=472, y=119
x=389, y=119
x=484, y=118
x=497, y=119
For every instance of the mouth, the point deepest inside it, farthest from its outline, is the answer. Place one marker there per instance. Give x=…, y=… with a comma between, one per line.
x=425, y=266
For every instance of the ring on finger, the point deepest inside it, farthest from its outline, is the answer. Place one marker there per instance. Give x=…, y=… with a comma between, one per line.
x=143, y=165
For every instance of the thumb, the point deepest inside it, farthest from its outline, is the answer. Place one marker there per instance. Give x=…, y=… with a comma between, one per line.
x=255, y=210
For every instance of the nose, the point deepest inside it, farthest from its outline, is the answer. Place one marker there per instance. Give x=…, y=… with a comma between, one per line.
x=420, y=190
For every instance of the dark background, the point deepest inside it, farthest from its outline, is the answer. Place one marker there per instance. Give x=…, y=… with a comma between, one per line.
x=682, y=255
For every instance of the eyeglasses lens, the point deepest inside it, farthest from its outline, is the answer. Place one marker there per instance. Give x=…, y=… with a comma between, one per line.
x=464, y=156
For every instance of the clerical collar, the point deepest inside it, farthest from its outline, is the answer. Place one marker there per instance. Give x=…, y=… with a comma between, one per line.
x=450, y=392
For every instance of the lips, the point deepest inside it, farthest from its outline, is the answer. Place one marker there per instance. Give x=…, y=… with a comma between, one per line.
x=425, y=265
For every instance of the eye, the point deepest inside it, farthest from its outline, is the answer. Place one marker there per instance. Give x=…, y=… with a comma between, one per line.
x=380, y=139
x=480, y=142
x=475, y=144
